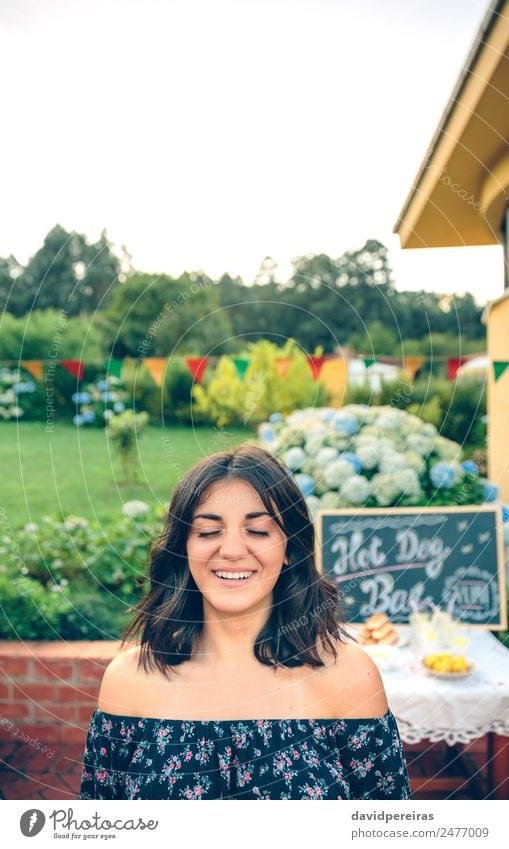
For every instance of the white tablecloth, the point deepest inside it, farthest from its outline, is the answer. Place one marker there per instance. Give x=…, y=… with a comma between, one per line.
x=429, y=708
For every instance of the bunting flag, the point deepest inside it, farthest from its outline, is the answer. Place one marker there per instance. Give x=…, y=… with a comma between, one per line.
x=241, y=365
x=283, y=365
x=412, y=364
x=369, y=361
x=453, y=364
x=34, y=367
x=197, y=366
x=74, y=367
x=499, y=367
x=334, y=375
x=316, y=364
x=114, y=367
x=156, y=367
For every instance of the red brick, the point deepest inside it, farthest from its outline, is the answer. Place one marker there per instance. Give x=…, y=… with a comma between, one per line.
x=72, y=734
x=15, y=667
x=5, y=690
x=85, y=712
x=33, y=692
x=40, y=762
x=90, y=670
x=54, y=711
x=83, y=691
x=14, y=709
x=53, y=669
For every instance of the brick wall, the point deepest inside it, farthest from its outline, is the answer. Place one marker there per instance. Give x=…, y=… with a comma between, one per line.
x=49, y=689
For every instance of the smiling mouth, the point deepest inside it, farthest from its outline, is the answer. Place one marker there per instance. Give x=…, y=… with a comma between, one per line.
x=239, y=577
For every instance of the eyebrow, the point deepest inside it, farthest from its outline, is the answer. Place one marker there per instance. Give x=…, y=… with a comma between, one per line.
x=217, y=518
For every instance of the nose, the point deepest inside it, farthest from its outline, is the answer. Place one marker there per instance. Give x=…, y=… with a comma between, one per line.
x=233, y=546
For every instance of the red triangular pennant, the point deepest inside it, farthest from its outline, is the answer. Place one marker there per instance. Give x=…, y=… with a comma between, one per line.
x=74, y=367
x=197, y=366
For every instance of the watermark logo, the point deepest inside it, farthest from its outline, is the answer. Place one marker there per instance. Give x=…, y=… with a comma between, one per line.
x=32, y=822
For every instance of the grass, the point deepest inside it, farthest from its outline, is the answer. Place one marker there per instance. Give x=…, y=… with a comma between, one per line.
x=74, y=471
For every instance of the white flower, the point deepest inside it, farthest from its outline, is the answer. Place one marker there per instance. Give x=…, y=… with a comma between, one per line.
x=132, y=509
x=325, y=456
x=337, y=473
x=368, y=453
x=294, y=458
x=31, y=527
x=356, y=489
x=392, y=460
x=385, y=489
x=73, y=522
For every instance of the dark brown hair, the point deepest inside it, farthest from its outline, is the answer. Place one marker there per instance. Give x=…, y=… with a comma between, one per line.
x=305, y=603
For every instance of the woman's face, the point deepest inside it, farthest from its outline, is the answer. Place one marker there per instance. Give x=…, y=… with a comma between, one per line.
x=232, y=535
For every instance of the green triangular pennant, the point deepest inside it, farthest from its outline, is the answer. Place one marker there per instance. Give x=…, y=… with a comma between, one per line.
x=369, y=361
x=499, y=367
x=114, y=367
x=242, y=365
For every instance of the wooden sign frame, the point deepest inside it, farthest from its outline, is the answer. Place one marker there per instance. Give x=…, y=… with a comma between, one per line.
x=494, y=508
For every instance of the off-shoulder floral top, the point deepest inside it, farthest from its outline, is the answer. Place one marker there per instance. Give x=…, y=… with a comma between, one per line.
x=130, y=757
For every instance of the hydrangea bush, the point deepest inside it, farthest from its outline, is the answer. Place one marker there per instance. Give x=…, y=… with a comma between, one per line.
x=99, y=402
x=15, y=393
x=73, y=578
x=365, y=456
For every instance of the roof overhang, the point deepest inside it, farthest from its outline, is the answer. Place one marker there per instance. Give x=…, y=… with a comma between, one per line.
x=461, y=189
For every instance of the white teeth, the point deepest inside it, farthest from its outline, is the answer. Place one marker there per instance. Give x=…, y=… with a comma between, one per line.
x=234, y=576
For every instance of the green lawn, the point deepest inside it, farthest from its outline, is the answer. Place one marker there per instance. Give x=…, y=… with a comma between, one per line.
x=74, y=471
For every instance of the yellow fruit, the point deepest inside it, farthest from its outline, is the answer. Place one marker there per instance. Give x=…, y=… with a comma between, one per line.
x=442, y=665
x=430, y=660
x=459, y=664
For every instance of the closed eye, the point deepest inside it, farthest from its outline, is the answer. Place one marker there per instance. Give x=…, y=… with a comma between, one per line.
x=213, y=533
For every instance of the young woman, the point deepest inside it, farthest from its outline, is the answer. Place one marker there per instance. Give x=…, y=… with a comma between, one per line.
x=241, y=684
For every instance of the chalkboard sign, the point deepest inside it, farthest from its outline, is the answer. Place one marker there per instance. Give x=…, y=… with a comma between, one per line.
x=383, y=559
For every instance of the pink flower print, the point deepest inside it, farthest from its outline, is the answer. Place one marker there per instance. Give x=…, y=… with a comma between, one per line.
x=103, y=750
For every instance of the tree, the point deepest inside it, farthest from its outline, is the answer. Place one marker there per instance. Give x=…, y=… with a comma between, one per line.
x=12, y=297
x=154, y=315
x=69, y=274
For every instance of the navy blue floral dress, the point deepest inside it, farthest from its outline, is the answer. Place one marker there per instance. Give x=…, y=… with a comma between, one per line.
x=130, y=757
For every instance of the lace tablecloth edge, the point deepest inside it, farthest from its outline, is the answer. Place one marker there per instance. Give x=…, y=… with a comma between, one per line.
x=411, y=734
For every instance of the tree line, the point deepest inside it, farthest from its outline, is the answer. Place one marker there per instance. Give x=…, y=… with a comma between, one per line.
x=348, y=302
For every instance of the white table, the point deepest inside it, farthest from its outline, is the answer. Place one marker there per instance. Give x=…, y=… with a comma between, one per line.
x=457, y=711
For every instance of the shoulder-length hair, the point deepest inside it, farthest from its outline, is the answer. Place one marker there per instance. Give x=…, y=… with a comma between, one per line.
x=305, y=607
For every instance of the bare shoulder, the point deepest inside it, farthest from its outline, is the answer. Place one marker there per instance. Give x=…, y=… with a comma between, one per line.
x=120, y=683
x=354, y=683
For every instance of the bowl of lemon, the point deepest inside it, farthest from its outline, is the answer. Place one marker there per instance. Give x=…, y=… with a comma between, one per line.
x=448, y=665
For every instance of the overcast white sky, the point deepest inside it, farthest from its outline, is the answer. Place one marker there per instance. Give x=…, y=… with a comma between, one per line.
x=207, y=134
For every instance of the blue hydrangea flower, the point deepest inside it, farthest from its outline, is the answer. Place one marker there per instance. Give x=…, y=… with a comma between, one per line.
x=470, y=467
x=294, y=458
x=267, y=433
x=442, y=475
x=20, y=388
x=119, y=407
x=88, y=416
x=490, y=490
x=305, y=483
x=79, y=420
x=102, y=385
x=345, y=423
x=353, y=459
x=107, y=396
x=275, y=417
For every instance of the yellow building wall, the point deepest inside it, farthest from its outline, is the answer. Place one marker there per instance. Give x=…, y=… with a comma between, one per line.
x=498, y=398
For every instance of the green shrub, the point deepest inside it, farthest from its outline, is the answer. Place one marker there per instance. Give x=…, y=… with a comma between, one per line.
x=228, y=400
x=29, y=611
